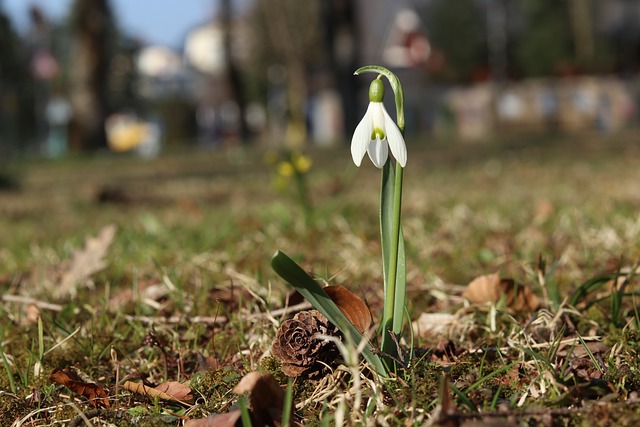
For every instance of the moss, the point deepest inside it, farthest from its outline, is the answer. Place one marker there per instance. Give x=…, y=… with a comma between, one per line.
x=273, y=367
x=215, y=386
x=64, y=412
x=585, y=322
x=12, y=408
x=154, y=421
x=425, y=382
x=620, y=414
x=624, y=377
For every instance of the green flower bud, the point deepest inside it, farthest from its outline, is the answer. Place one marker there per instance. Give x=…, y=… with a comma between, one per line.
x=376, y=91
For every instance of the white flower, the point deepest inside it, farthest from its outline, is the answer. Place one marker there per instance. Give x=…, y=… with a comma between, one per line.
x=373, y=133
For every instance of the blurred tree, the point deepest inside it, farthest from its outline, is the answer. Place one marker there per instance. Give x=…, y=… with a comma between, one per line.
x=545, y=46
x=341, y=41
x=624, y=38
x=234, y=74
x=288, y=34
x=93, y=30
x=457, y=29
x=16, y=94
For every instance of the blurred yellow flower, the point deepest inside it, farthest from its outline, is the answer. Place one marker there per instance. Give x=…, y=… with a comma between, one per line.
x=301, y=163
x=285, y=169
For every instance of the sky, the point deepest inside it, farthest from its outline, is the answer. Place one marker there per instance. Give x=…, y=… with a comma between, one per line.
x=163, y=22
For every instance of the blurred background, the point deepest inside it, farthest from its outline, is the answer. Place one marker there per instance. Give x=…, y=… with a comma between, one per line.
x=146, y=75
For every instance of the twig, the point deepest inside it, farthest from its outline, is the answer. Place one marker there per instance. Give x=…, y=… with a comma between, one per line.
x=512, y=413
x=83, y=417
x=283, y=311
x=212, y=320
x=28, y=300
x=543, y=344
x=68, y=337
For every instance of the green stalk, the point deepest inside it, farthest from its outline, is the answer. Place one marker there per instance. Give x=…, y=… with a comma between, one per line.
x=288, y=404
x=392, y=316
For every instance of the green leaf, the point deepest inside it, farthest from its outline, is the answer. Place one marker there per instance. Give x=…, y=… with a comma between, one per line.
x=312, y=292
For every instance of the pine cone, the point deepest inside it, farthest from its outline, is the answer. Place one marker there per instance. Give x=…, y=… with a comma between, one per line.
x=301, y=351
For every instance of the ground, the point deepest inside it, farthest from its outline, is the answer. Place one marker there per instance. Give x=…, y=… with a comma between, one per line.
x=183, y=290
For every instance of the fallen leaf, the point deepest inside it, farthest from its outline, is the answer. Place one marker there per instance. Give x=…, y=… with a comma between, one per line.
x=149, y=291
x=171, y=390
x=491, y=288
x=265, y=395
x=71, y=380
x=230, y=419
x=352, y=306
x=177, y=390
x=61, y=280
x=578, y=349
x=87, y=261
x=430, y=324
x=266, y=398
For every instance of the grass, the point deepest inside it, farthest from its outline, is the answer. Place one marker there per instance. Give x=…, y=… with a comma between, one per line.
x=187, y=288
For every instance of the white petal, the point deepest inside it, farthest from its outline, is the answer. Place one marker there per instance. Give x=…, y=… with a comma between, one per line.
x=378, y=152
x=395, y=139
x=377, y=113
x=361, y=137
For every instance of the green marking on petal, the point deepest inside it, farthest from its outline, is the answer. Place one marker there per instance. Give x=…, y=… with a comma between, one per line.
x=378, y=133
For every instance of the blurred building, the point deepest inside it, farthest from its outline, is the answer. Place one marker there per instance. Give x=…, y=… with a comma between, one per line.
x=539, y=106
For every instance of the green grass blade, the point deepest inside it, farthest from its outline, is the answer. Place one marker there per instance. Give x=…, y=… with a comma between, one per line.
x=590, y=354
x=7, y=367
x=288, y=404
x=245, y=417
x=491, y=375
x=464, y=399
x=591, y=284
x=313, y=292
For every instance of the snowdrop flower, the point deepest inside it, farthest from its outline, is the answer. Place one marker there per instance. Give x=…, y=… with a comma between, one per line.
x=377, y=132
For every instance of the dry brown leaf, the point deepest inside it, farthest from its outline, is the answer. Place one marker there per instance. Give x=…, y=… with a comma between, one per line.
x=171, y=390
x=177, y=390
x=70, y=379
x=433, y=324
x=266, y=398
x=149, y=291
x=578, y=349
x=230, y=419
x=88, y=260
x=265, y=395
x=491, y=288
x=352, y=306
x=62, y=279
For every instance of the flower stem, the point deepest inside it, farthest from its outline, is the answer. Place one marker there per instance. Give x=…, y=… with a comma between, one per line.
x=392, y=315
